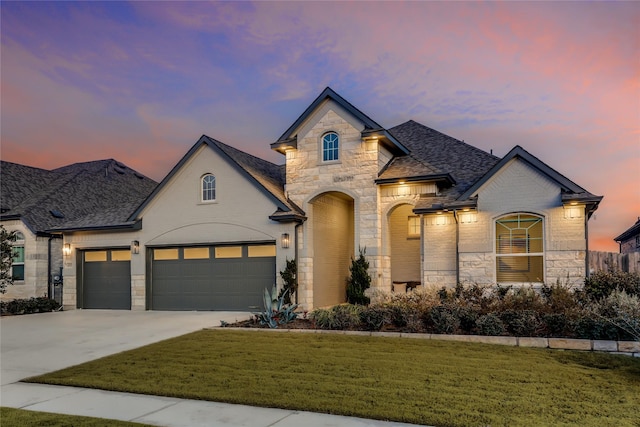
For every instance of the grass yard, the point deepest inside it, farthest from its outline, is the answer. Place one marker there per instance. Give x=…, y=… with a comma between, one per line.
x=430, y=382
x=10, y=417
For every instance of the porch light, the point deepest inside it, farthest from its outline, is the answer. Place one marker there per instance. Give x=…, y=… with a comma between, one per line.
x=135, y=247
x=284, y=240
x=66, y=249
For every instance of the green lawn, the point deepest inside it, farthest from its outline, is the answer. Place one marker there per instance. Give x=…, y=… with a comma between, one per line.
x=431, y=382
x=10, y=417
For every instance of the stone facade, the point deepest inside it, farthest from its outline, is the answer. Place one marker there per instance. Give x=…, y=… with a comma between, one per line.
x=36, y=263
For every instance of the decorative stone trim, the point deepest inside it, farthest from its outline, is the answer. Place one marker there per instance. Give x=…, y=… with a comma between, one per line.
x=626, y=348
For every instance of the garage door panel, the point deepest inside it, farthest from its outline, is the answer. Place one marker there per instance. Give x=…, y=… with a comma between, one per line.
x=106, y=284
x=227, y=280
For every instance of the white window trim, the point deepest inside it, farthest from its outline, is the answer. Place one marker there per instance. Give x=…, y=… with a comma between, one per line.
x=542, y=254
x=215, y=189
x=321, y=160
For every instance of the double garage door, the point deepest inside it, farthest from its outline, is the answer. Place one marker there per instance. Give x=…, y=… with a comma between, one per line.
x=230, y=277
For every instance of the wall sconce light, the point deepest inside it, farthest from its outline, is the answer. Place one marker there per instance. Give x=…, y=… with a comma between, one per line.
x=135, y=247
x=284, y=240
x=441, y=219
x=66, y=249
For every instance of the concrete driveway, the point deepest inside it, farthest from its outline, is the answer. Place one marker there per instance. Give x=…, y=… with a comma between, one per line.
x=34, y=344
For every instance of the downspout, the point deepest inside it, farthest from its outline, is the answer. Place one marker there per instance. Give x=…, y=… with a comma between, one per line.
x=455, y=216
x=49, y=281
x=422, y=277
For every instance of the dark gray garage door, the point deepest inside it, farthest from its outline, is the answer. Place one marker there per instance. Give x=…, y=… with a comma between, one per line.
x=211, y=277
x=106, y=279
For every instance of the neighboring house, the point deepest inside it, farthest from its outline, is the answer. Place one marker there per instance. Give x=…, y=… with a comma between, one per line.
x=429, y=209
x=629, y=241
x=36, y=203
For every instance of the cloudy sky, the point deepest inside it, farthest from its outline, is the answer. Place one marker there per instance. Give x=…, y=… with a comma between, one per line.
x=141, y=81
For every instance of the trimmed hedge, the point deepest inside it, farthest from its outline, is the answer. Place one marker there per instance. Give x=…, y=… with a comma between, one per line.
x=28, y=306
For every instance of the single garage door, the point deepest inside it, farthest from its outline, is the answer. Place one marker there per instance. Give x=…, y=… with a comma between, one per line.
x=230, y=277
x=106, y=279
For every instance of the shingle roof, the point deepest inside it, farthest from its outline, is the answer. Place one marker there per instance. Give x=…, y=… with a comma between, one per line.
x=268, y=175
x=630, y=232
x=433, y=153
x=97, y=194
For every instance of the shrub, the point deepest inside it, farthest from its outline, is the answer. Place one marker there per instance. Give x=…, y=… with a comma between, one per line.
x=468, y=317
x=289, y=279
x=595, y=329
x=556, y=324
x=490, y=324
x=359, y=281
x=621, y=310
x=373, y=317
x=339, y=317
x=521, y=323
x=28, y=306
x=602, y=283
x=443, y=320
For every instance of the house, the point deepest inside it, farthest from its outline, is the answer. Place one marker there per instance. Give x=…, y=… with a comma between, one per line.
x=629, y=241
x=430, y=210
x=36, y=203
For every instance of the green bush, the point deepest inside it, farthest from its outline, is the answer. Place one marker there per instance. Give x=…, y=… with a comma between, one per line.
x=521, y=323
x=601, y=284
x=359, y=280
x=490, y=324
x=443, y=320
x=339, y=317
x=28, y=306
x=467, y=317
x=595, y=329
x=373, y=318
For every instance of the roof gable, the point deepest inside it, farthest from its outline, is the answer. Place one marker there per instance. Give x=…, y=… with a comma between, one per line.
x=371, y=128
x=518, y=152
x=266, y=176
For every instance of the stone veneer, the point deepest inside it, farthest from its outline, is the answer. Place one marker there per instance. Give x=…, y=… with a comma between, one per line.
x=353, y=175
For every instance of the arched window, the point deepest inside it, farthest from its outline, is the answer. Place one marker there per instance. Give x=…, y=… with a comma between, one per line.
x=17, y=267
x=330, y=147
x=520, y=248
x=208, y=188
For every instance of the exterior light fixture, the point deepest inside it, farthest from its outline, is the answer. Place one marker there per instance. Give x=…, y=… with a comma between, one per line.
x=135, y=247
x=66, y=249
x=284, y=240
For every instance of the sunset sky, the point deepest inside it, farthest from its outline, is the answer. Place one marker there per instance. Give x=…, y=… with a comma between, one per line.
x=141, y=81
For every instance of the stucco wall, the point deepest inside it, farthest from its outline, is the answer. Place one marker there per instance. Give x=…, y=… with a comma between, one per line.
x=177, y=216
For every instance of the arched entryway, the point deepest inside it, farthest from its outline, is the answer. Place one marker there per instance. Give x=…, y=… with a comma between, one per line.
x=333, y=247
x=404, y=240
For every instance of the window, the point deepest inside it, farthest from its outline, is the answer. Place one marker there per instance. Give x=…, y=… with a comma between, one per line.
x=330, y=145
x=414, y=226
x=17, y=268
x=519, y=249
x=208, y=188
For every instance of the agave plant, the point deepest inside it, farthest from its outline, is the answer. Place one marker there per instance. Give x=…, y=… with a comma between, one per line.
x=276, y=311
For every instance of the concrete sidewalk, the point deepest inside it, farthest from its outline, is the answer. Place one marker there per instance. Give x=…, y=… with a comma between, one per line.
x=166, y=411
x=39, y=343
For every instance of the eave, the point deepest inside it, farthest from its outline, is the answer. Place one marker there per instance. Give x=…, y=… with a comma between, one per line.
x=442, y=177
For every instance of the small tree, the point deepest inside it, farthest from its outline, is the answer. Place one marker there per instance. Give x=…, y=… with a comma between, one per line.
x=6, y=258
x=289, y=278
x=359, y=280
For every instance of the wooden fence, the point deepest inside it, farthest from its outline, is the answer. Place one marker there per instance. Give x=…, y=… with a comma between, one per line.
x=606, y=260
